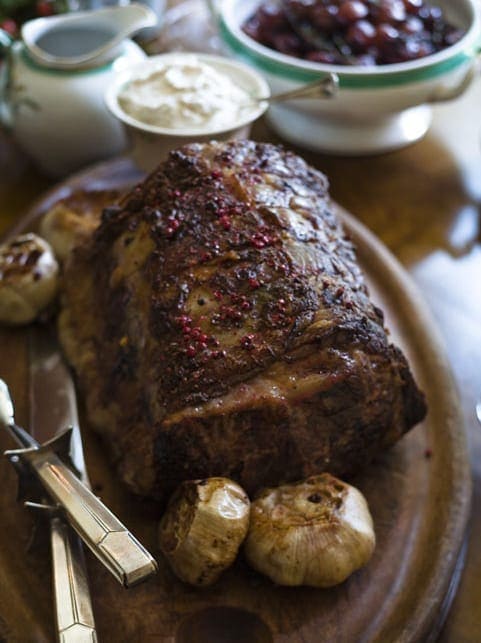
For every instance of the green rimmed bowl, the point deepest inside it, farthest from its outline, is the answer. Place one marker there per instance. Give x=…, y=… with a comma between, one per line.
x=376, y=108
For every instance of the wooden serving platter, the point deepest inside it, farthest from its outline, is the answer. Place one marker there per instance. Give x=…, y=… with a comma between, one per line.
x=419, y=494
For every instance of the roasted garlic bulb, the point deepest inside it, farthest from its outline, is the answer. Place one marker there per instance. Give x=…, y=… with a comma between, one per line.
x=28, y=278
x=203, y=528
x=314, y=532
x=64, y=228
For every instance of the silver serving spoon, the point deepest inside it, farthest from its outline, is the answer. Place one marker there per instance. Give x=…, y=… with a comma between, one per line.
x=326, y=87
x=74, y=40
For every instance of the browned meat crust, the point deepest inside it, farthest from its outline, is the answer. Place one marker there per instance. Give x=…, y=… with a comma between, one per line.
x=219, y=325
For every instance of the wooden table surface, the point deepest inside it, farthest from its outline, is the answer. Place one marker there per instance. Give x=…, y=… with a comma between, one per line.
x=424, y=203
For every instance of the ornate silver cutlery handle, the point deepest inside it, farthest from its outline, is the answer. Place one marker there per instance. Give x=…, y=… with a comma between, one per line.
x=123, y=555
x=111, y=542
x=75, y=619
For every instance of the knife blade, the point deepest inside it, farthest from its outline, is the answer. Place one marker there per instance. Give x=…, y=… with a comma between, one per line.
x=73, y=604
x=52, y=397
x=98, y=527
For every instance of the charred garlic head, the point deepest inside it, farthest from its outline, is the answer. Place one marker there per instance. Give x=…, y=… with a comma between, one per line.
x=203, y=528
x=315, y=532
x=28, y=278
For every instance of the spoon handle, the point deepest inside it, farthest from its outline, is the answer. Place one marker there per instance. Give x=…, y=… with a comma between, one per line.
x=327, y=87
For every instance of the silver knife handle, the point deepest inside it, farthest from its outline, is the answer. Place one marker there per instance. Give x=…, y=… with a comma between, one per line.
x=73, y=607
x=98, y=527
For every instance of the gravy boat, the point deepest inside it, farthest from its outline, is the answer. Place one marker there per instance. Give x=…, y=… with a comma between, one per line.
x=76, y=40
x=53, y=80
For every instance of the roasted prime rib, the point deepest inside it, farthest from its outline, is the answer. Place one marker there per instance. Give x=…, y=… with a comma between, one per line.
x=219, y=325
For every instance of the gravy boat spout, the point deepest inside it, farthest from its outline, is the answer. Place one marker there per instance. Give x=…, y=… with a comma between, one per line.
x=80, y=39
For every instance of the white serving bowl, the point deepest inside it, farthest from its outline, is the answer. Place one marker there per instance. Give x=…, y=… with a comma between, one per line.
x=377, y=108
x=151, y=144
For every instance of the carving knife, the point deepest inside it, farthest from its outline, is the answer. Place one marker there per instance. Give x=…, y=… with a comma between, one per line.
x=101, y=531
x=52, y=405
x=73, y=608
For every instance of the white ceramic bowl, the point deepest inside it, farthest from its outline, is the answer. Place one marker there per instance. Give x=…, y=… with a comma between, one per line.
x=377, y=108
x=151, y=144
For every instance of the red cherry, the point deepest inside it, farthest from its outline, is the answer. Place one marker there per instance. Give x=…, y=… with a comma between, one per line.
x=361, y=34
x=322, y=57
x=391, y=11
x=412, y=25
x=386, y=33
x=453, y=36
x=10, y=26
x=430, y=15
x=273, y=18
x=324, y=18
x=413, y=6
x=366, y=60
x=351, y=11
x=253, y=29
x=288, y=43
x=425, y=49
x=44, y=8
x=300, y=9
